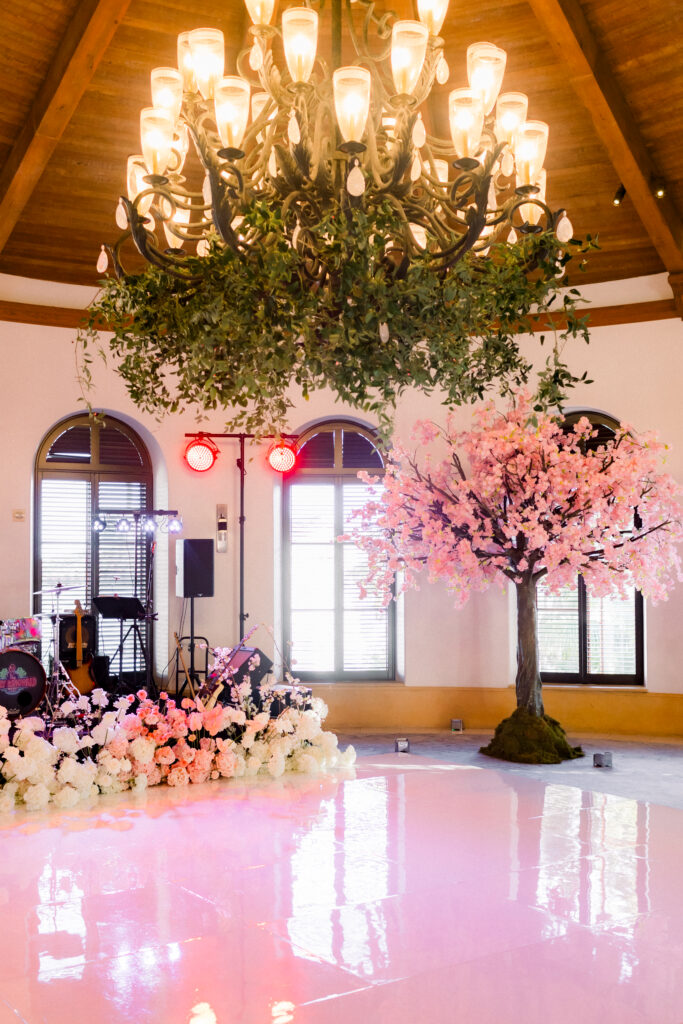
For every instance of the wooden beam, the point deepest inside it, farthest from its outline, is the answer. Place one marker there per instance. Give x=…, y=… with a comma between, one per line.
x=676, y=282
x=570, y=35
x=602, y=316
x=608, y=316
x=80, y=51
x=46, y=316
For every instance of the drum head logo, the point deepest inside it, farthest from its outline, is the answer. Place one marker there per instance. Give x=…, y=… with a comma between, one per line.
x=14, y=678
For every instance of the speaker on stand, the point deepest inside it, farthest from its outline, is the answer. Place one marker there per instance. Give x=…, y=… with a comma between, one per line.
x=194, y=578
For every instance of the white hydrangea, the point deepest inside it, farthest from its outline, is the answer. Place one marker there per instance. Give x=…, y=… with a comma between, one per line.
x=66, y=739
x=252, y=765
x=139, y=782
x=276, y=765
x=142, y=749
x=7, y=800
x=36, y=797
x=348, y=756
x=99, y=697
x=66, y=797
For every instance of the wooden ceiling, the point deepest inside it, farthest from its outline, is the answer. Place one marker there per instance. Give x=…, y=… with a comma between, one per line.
x=607, y=75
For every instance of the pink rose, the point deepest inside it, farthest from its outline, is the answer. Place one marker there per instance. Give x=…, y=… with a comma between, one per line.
x=213, y=719
x=195, y=720
x=178, y=776
x=164, y=755
x=141, y=694
x=163, y=695
x=197, y=776
x=226, y=762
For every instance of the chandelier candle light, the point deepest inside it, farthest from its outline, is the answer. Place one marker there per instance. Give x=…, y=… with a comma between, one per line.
x=309, y=140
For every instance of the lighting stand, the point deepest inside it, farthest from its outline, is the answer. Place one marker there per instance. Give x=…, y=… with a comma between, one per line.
x=241, y=465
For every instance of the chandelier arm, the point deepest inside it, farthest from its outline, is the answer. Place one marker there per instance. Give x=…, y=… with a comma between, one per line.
x=382, y=24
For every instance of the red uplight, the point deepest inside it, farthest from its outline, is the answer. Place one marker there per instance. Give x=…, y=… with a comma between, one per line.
x=201, y=454
x=282, y=457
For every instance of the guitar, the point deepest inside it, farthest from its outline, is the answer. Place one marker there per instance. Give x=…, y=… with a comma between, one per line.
x=82, y=676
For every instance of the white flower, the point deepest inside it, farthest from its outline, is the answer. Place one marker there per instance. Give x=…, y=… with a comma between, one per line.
x=276, y=766
x=305, y=762
x=7, y=801
x=99, y=697
x=109, y=718
x=252, y=765
x=37, y=797
x=41, y=773
x=142, y=749
x=140, y=782
x=122, y=704
x=67, y=708
x=319, y=708
x=66, y=739
x=66, y=797
x=34, y=724
x=84, y=776
x=83, y=703
x=5, y=724
x=348, y=756
x=3, y=712
x=99, y=735
x=67, y=770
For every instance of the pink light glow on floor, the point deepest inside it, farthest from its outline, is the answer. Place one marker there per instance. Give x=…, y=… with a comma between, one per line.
x=406, y=890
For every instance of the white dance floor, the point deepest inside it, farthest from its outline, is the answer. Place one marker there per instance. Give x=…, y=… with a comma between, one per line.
x=407, y=891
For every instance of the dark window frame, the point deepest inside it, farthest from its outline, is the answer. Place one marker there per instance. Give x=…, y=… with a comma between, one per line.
x=94, y=471
x=583, y=677
x=336, y=476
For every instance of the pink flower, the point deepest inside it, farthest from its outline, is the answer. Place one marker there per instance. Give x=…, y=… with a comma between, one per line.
x=187, y=703
x=226, y=763
x=164, y=755
x=195, y=720
x=177, y=776
x=141, y=695
x=213, y=719
x=196, y=775
x=163, y=695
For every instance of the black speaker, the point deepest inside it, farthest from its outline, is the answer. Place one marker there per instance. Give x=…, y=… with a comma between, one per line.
x=194, y=568
x=67, y=638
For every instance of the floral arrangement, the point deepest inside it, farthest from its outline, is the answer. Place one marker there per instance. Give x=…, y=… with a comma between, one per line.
x=101, y=744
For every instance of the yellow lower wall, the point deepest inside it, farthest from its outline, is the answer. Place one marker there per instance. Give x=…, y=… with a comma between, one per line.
x=394, y=706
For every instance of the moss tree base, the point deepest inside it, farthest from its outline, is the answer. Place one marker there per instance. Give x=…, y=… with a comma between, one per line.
x=530, y=739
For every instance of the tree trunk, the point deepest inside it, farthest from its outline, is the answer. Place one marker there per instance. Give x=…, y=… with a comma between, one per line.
x=528, y=682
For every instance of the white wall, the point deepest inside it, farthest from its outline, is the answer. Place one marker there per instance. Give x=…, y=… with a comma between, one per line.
x=637, y=371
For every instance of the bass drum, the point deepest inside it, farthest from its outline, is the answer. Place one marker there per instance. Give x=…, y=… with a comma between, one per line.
x=22, y=681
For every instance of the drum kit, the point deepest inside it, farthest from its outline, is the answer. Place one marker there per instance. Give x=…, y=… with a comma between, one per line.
x=24, y=683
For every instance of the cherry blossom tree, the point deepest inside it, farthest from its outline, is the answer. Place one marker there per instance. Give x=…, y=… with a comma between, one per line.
x=520, y=499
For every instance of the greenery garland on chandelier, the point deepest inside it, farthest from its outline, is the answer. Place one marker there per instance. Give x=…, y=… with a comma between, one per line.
x=241, y=332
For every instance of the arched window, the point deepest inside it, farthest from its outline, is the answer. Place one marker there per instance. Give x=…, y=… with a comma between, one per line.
x=332, y=632
x=85, y=470
x=585, y=639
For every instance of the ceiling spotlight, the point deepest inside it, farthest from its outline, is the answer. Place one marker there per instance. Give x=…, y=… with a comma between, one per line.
x=149, y=525
x=659, y=188
x=201, y=453
x=99, y=524
x=175, y=524
x=282, y=457
x=618, y=196
x=123, y=525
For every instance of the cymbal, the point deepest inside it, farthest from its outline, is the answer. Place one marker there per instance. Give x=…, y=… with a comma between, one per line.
x=59, y=589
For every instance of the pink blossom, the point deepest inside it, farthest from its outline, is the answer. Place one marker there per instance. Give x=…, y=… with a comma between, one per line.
x=195, y=720
x=141, y=695
x=164, y=755
x=518, y=498
x=177, y=776
x=213, y=719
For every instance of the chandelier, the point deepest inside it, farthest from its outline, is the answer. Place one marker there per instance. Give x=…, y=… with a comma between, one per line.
x=312, y=142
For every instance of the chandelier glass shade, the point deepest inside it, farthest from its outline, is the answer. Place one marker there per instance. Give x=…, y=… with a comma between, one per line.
x=309, y=141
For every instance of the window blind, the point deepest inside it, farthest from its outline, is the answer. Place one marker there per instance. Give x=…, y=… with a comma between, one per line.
x=332, y=629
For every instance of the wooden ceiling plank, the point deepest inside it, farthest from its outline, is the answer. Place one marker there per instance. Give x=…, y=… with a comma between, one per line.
x=570, y=35
x=80, y=51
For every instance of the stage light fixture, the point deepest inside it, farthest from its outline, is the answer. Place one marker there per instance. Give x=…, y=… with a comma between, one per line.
x=149, y=525
x=282, y=457
x=619, y=196
x=175, y=525
x=123, y=525
x=201, y=453
x=99, y=524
